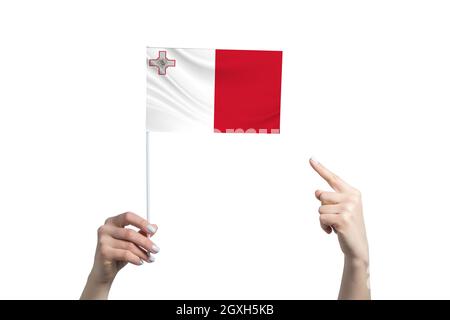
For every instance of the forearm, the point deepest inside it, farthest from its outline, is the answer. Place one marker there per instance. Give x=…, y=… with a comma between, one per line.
x=95, y=290
x=355, y=284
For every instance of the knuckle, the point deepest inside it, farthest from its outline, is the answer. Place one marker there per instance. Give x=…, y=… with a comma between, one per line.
x=128, y=216
x=101, y=231
x=108, y=220
x=356, y=193
x=129, y=256
x=348, y=207
x=127, y=233
x=130, y=246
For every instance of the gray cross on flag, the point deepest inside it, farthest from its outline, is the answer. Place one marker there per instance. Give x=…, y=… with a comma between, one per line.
x=162, y=62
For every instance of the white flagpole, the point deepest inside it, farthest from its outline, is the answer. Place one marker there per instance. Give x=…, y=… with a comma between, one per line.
x=147, y=171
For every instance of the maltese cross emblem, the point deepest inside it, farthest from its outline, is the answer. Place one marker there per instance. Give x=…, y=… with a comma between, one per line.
x=162, y=63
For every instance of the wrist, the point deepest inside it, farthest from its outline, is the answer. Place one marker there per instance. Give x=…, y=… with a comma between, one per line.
x=357, y=262
x=95, y=279
x=98, y=284
x=96, y=289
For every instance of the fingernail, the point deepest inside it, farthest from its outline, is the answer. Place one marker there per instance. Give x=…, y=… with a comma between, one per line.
x=151, y=228
x=151, y=258
x=142, y=261
x=314, y=160
x=155, y=248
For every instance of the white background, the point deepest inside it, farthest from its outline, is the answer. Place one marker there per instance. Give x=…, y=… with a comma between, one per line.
x=365, y=90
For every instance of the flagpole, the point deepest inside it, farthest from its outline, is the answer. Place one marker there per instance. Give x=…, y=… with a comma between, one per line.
x=147, y=172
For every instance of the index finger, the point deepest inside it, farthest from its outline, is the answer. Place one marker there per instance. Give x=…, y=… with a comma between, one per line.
x=332, y=179
x=130, y=218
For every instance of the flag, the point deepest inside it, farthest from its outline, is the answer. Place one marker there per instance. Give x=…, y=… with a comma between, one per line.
x=212, y=90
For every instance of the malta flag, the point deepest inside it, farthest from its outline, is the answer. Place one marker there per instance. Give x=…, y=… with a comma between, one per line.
x=211, y=90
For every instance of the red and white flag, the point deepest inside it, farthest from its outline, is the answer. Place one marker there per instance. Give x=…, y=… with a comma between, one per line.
x=213, y=90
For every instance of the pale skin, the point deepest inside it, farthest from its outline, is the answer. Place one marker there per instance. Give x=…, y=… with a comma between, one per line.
x=340, y=211
x=116, y=247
